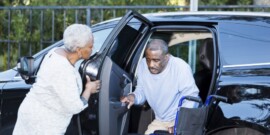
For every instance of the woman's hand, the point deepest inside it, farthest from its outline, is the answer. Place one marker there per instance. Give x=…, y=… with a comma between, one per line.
x=91, y=87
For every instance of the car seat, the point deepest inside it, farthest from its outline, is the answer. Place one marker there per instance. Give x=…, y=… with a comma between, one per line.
x=206, y=58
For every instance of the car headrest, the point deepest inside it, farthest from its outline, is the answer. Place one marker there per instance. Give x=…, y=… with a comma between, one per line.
x=206, y=53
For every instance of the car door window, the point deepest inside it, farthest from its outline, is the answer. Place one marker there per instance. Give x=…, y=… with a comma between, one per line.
x=185, y=44
x=99, y=38
x=123, y=47
x=244, y=44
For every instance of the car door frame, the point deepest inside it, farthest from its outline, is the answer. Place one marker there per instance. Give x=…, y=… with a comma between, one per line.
x=111, y=111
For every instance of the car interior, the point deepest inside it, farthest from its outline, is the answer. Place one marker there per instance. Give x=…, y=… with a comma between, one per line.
x=203, y=77
x=193, y=46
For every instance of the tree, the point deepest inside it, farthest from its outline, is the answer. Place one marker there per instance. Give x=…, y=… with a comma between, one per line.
x=261, y=2
x=225, y=2
x=30, y=35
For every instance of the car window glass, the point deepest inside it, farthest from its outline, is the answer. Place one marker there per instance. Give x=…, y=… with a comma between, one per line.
x=125, y=42
x=99, y=38
x=244, y=43
x=184, y=44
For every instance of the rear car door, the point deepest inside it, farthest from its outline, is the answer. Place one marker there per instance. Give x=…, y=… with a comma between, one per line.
x=115, y=72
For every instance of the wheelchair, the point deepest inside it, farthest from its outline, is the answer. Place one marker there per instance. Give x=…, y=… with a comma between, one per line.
x=193, y=121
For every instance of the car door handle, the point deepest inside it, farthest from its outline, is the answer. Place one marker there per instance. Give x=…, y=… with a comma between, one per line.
x=117, y=104
x=119, y=107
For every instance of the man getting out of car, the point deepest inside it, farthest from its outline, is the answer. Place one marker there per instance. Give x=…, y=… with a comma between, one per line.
x=162, y=80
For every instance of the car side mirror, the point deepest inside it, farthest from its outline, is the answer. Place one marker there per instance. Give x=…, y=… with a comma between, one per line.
x=25, y=68
x=91, y=67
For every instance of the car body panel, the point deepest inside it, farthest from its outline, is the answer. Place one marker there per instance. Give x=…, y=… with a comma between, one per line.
x=244, y=73
x=248, y=91
x=113, y=115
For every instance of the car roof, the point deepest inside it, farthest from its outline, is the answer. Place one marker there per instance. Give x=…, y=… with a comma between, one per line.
x=223, y=13
x=201, y=16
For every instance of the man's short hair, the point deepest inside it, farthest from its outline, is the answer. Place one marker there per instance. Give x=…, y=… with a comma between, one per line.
x=158, y=44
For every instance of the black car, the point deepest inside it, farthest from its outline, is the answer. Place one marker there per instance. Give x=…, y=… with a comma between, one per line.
x=228, y=53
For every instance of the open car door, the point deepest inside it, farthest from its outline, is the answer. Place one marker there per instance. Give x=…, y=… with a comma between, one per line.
x=115, y=73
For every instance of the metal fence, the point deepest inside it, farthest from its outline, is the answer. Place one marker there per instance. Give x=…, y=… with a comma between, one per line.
x=27, y=30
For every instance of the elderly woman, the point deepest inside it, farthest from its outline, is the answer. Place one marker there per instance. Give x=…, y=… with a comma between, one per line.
x=56, y=95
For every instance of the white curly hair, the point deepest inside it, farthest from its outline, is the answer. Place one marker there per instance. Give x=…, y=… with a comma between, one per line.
x=77, y=36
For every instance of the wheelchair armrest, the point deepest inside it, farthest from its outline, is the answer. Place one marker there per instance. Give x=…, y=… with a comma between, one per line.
x=191, y=98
